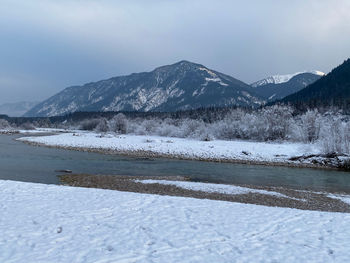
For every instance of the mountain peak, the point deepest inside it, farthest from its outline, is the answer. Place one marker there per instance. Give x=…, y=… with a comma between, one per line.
x=279, y=86
x=180, y=86
x=333, y=89
x=279, y=79
x=181, y=64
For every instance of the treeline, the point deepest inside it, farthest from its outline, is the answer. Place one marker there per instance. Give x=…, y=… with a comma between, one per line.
x=332, y=90
x=209, y=114
x=331, y=129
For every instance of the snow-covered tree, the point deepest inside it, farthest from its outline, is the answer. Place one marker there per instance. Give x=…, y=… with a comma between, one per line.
x=102, y=126
x=310, y=125
x=119, y=123
x=4, y=124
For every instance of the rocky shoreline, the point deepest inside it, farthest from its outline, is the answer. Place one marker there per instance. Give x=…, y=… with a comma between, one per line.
x=305, y=200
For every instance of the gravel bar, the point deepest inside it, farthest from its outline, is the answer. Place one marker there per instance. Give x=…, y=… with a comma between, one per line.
x=305, y=200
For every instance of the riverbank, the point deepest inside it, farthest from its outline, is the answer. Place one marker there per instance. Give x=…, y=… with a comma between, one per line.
x=181, y=186
x=33, y=132
x=244, y=152
x=50, y=223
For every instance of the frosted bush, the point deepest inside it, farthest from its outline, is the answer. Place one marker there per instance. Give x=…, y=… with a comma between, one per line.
x=276, y=123
x=310, y=125
x=119, y=124
x=335, y=136
x=89, y=125
x=102, y=126
x=4, y=124
x=27, y=126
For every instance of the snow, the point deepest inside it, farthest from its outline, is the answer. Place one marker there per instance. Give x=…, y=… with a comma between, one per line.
x=211, y=73
x=213, y=77
x=218, y=80
x=272, y=96
x=343, y=198
x=186, y=148
x=213, y=188
x=44, y=130
x=49, y=223
x=35, y=131
x=316, y=72
x=278, y=79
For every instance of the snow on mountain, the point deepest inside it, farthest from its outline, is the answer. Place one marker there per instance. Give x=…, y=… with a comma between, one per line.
x=181, y=86
x=331, y=90
x=278, y=79
x=279, y=86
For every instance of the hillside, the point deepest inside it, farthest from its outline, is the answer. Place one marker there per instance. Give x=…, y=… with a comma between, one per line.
x=277, y=87
x=331, y=90
x=181, y=86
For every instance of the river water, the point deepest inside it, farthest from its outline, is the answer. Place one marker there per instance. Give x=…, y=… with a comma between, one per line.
x=22, y=162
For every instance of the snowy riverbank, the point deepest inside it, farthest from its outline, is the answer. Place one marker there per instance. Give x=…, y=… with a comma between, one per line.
x=36, y=131
x=217, y=150
x=48, y=223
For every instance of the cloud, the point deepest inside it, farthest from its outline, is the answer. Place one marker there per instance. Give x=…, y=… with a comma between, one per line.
x=64, y=43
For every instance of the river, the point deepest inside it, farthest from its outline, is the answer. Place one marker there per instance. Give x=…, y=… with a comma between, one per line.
x=22, y=162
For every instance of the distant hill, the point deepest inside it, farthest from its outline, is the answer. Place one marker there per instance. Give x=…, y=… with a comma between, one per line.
x=16, y=109
x=181, y=86
x=331, y=90
x=279, y=86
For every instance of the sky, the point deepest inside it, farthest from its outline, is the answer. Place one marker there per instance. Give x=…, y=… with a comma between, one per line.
x=48, y=45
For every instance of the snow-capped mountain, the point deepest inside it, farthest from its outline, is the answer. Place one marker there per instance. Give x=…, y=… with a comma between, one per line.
x=279, y=86
x=278, y=79
x=16, y=109
x=331, y=90
x=183, y=85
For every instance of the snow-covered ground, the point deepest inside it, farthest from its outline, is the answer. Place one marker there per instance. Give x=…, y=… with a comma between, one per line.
x=178, y=147
x=213, y=188
x=49, y=223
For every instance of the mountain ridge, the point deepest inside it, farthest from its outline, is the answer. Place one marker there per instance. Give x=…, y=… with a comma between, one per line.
x=279, y=79
x=274, y=89
x=330, y=90
x=183, y=85
x=180, y=86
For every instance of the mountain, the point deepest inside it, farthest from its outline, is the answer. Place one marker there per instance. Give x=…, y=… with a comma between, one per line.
x=16, y=109
x=181, y=86
x=331, y=90
x=280, y=86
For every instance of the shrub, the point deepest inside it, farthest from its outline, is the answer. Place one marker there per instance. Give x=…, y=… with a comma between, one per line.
x=102, y=126
x=119, y=124
x=27, y=126
x=89, y=125
x=4, y=124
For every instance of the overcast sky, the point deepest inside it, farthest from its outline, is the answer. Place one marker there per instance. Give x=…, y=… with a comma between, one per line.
x=48, y=45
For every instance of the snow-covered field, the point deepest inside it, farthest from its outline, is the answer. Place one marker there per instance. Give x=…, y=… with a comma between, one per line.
x=49, y=223
x=178, y=147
